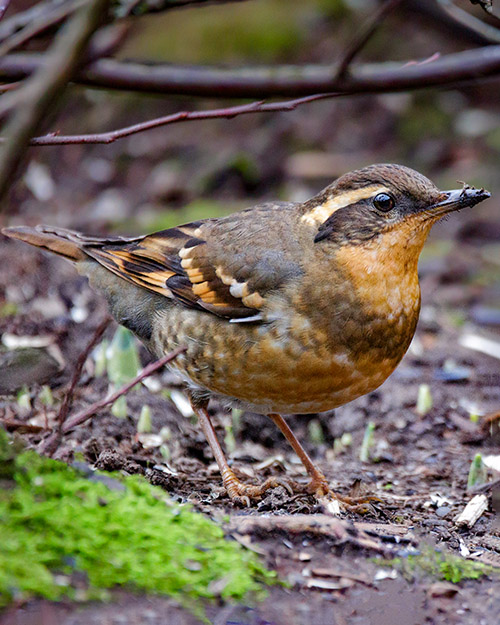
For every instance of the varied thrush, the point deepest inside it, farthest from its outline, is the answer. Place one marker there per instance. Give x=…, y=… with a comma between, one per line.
x=284, y=307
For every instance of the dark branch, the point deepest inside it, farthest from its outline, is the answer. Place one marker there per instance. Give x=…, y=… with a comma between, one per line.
x=141, y=7
x=4, y=5
x=37, y=95
x=483, y=29
x=265, y=82
x=182, y=116
x=38, y=27
x=364, y=36
x=50, y=444
x=33, y=15
x=89, y=412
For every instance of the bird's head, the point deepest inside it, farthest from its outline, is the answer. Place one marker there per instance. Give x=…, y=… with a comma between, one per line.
x=383, y=203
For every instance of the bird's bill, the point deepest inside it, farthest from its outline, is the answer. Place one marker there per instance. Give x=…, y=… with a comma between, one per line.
x=458, y=199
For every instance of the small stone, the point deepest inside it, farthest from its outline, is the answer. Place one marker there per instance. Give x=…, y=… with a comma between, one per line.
x=442, y=589
x=443, y=511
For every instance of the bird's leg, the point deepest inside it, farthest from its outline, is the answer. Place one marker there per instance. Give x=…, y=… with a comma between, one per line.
x=235, y=488
x=318, y=485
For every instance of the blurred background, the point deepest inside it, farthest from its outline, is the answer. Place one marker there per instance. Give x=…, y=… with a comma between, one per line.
x=167, y=175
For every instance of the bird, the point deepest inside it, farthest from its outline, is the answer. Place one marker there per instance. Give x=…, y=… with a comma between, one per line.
x=283, y=308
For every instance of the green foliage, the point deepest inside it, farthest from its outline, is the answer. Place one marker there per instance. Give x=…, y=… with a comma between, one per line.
x=144, y=424
x=123, y=365
x=54, y=524
x=478, y=473
x=8, y=309
x=364, y=452
x=199, y=209
x=423, y=119
x=221, y=33
x=424, y=399
x=123, y=360
x=45, y=396
x=23, y=398
x=439, y=565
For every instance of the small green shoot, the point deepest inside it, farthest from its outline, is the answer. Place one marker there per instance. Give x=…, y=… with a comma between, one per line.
x=236, y=420
x=424, y=399
x=165, y=452
x=229, y=439
x=119, y=408
x=8, y=309
x=478, y=472
x=364, y=452
x=341, y=444
x=123, y=365
x=45, y=395
x=144, y=424
x=123, y=360
x=23, y=398
x=101, y=358
x=315, y=432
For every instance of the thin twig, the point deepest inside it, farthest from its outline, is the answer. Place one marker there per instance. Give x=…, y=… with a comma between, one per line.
x=86, y=414
x=20, y=426
x=4, y=5
x=182, y=116
x=141, y=7
x=77, y=373
x=264, y=82
x=33, y=100
x=11, y=86
x=464, y=18
x=50, y=444
x=338, y=530
x=365, y=34
x=38, y=27
x=37, y=13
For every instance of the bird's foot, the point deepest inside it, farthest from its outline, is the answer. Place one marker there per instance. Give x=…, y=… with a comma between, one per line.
x=335, y=503
x=245, y=493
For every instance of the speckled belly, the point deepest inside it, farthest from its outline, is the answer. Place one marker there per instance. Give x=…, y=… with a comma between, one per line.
x=278, y=366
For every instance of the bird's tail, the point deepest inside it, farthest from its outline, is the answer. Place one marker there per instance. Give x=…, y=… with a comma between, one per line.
x=58, y=240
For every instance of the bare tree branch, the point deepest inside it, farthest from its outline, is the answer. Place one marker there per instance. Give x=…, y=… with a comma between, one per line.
x=181, y=116
x=89, y=412
x=39, y=26
x=4, y=5
x=364, y=36
x=141, y=7
x=50, y=444
x=486, y=30
x=433, y=13
x=265, y=82
x=33, y=99
x=37, y=13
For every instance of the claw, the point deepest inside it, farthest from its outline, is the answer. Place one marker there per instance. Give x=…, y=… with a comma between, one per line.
x=244, y=493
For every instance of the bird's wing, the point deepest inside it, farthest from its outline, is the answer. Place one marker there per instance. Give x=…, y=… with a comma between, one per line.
x=226, y=266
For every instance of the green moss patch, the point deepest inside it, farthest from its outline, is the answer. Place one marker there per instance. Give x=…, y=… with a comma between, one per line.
x=440, y=565
x=63, y=535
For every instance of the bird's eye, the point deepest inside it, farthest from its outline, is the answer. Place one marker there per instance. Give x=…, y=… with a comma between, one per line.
x=383, y=202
